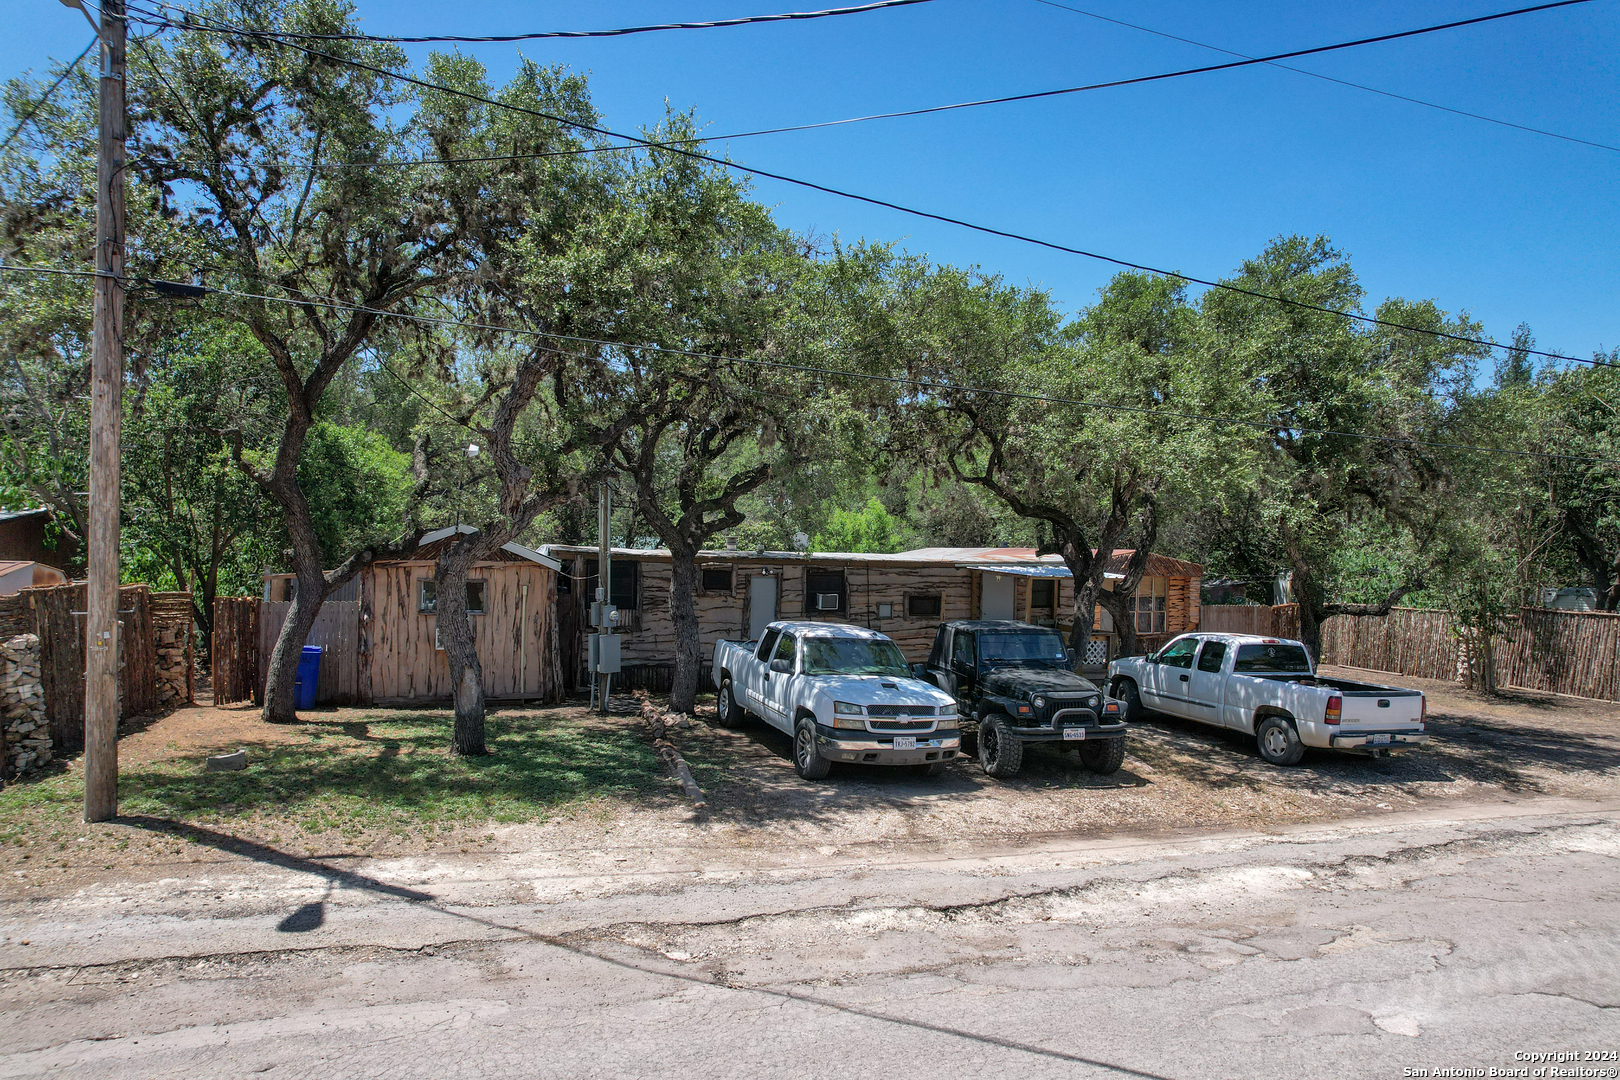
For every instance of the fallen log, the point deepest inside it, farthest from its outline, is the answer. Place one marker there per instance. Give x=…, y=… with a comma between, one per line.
x=659, y=723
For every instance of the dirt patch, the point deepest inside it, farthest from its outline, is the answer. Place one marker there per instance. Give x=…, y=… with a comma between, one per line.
x=365, y=783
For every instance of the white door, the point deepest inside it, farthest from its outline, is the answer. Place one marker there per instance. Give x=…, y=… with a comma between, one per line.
x=761, y=605
x=997, y=601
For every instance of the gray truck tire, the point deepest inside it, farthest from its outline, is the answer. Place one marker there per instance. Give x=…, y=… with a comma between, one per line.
x=1278, y=741
x=727, y=713
x=807, y=759
x=932, y=768
x=1103, y=756
x=1001, y=753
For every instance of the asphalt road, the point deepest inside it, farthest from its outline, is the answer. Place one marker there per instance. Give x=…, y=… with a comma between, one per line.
x=1421, y=941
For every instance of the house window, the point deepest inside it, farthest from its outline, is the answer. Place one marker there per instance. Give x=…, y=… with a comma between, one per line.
x=717, y=579
x=1148, y=605
x=922, y=606
x=824, y=592
x=1043, y=593
x=427, y=597
x=626, y=577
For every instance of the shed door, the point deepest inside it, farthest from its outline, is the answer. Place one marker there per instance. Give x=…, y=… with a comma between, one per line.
x=761, y=604
x=998, y=597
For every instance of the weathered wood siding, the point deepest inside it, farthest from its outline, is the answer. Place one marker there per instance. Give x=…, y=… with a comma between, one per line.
x=650, y=637
x=337, y=630
x=516, y=640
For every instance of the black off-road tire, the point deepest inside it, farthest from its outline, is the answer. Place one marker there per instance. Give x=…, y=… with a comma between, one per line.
x=1278, y=741
x=1001, y=753
x=1103, y=756
x=1127, y=693
x=727, y=713
x=931, y=768
x=807, y=759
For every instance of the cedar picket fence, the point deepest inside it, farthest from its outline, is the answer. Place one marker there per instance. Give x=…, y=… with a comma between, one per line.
x=1561, y=652
x=234, y=650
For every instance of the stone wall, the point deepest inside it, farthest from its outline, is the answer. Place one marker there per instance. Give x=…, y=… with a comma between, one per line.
x=173, y=664
x=27, y=735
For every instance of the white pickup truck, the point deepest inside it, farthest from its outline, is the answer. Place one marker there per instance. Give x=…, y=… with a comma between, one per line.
x=1268, y=688
x=844, y=693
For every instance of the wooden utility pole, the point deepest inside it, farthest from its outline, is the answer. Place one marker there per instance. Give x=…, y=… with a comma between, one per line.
x=106, y=406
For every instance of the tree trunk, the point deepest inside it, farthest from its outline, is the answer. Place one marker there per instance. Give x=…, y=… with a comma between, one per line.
x=280, y=692
x=688, y=642
x=1118, y=605
x=1085, y=613
x=1310, y=623
x=456, y=637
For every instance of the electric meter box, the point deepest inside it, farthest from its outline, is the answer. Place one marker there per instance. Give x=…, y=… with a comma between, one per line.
x=604, y=653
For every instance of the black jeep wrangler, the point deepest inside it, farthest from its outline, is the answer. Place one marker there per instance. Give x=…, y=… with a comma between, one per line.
x=1016, y=682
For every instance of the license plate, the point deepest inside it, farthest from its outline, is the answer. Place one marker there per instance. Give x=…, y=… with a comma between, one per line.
x=1377, y=740
x=1074, y=733
x=906, y=742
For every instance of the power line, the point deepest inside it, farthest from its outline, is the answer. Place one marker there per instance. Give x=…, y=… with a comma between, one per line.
x=920, y=384
x=1331, y=79
x=748, y=20
x=1007, y=99
x=46, y=96
x=751, y=170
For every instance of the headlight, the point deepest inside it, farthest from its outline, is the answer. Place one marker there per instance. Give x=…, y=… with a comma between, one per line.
x=854, y=723
x=1093, y=701
x=1039, y=702
x=947, y=723
x=946, y=710
x=849, y=708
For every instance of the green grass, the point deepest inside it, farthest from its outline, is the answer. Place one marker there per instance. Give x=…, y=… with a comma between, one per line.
x=389, y=772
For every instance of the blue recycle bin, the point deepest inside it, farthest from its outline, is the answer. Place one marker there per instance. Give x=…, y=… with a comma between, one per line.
x=309, y=673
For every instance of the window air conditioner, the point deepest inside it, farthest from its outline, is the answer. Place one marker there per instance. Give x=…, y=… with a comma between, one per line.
x=826, y=601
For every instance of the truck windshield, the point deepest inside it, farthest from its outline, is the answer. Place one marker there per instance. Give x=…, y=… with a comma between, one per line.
x=1287, y=658
x=853, y=656
x=1026, y=648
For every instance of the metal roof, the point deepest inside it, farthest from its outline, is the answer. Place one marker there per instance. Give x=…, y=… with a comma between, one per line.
x=1040, y=570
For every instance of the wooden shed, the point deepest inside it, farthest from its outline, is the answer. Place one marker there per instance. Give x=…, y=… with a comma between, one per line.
x=381, y=630
x=905, y=595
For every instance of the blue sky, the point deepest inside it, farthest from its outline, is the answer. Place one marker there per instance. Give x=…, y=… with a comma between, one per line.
x=1190, y=174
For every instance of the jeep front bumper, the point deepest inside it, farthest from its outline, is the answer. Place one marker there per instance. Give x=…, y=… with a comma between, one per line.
x=1096, y=732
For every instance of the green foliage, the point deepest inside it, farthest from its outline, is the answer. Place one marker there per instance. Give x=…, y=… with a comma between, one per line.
x=869, y=529
x=357, y=485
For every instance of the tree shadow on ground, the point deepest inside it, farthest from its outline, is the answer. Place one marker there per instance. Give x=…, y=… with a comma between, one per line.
x=748, y=777
x=1476, y=749
x=397, y=765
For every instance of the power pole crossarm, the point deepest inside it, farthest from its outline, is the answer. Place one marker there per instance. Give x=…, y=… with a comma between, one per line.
x=106, y=405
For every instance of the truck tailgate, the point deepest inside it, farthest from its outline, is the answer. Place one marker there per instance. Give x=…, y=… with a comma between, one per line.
x=1386, y=712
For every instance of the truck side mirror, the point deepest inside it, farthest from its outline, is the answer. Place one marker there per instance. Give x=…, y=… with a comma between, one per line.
x=919, y=671
x=784, y=666
x=1068, y=654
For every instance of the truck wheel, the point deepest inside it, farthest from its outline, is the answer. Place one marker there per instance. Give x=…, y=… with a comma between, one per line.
x=932, y=768
x=727, y=713
x=1103, y=756
x=1000, y=751
x=1133, y=701
x=807, y=759
x=1278, y=741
